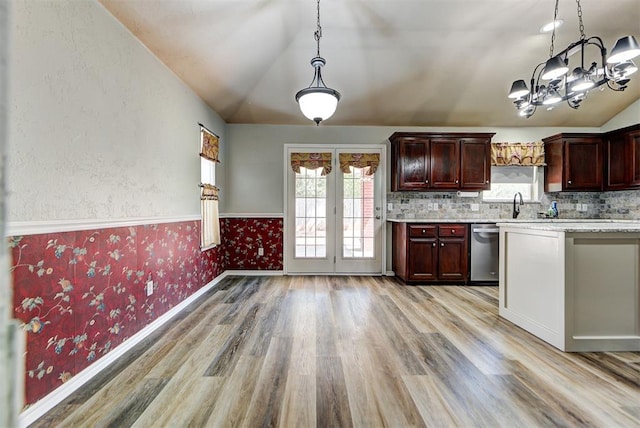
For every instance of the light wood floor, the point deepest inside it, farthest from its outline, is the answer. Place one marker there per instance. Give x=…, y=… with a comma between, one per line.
x=353, y=351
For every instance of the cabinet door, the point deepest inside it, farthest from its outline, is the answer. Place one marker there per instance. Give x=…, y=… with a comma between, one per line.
x=634, y=144
x=423, y=259
x=475, y=164
x=452, y=259
x=583, y=164
x=445, y=162
x=412, y=167
x=617, y=171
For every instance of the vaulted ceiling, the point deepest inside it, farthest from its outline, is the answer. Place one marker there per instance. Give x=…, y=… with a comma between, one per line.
x=396, y=62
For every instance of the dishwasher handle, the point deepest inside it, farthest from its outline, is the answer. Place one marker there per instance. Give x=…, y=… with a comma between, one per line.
x=495, y=230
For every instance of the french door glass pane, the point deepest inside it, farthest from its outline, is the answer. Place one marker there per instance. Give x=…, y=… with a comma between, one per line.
x=311, y=213
x=358, y=214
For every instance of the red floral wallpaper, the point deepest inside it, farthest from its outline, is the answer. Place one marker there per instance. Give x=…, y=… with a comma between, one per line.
x=80, y=294
x=243, y=236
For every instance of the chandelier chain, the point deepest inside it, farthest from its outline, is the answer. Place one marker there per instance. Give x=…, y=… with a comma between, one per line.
x=553, y=34
x=582, y=36
x=318, y=33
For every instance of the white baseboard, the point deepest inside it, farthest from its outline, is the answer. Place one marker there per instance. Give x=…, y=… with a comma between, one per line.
x=41, y=407
x=254, y=272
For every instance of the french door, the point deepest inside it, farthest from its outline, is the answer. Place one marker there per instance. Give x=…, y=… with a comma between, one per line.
x=334, y=215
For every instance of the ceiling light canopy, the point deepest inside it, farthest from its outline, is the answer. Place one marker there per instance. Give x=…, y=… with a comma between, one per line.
x=318, y=102
x=573, y=87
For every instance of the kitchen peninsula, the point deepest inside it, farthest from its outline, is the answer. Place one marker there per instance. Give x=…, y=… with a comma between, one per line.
x=575, y=285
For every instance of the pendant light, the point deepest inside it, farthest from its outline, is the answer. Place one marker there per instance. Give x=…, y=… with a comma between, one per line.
x=573, y=87
x=318, y=102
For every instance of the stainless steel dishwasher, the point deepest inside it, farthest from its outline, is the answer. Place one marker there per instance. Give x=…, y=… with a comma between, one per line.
x=485, y=239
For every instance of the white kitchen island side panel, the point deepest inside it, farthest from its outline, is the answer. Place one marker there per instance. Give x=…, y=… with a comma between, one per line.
x=530, y=270
x=575, y=286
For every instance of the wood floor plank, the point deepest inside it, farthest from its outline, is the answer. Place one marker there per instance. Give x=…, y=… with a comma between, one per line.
x=332, y=402
x=265, y=407
x=344, y=351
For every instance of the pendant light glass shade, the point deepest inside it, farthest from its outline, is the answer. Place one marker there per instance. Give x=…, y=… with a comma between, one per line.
x=318, y=104
x=625, y=48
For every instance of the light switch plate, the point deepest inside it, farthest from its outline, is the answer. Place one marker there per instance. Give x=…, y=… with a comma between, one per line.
x=149, y=288
x=435, y=206
x=578, y=207
x=261, y=251
x=430, y=207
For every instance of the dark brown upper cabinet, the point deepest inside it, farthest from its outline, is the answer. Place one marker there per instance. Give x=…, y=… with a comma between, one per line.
x=622, y=159
x=426, y=161
x=574, y=163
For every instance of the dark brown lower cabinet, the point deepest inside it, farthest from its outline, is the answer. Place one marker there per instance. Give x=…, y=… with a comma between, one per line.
x=431, y=253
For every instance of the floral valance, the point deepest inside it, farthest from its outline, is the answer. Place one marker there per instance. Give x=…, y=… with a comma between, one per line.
x=209, y=192
x=311, y=161
x=517, y=154
x=210, y=145
x=359, y=160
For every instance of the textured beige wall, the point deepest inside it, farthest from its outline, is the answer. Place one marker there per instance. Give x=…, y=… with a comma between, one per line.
x=99, y=127
x=9, y=401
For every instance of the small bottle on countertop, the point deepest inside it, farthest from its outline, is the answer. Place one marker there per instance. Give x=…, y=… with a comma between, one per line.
x=553, y=210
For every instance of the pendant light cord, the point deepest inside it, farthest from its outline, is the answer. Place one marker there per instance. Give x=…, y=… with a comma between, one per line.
x=318, y=33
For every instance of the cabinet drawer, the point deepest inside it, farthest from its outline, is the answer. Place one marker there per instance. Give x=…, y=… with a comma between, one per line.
x=416, y=230
x=452, y=230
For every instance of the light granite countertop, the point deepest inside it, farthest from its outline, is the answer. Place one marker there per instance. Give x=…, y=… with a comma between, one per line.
x=546, y=221
x=610, y=226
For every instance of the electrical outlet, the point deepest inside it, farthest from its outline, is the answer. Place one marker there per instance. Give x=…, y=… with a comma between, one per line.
x=149, y=288
x=578, y=207
x=475, y=207
x=261, y=251
x=389, y=206
x=435, y=206
x=585, y=207
x=429, y=207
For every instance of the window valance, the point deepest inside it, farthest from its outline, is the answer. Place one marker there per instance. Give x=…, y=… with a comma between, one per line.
x=517, y=154
x=209, y=192
x=210, y=145
x=359, y=160
x=311, y=161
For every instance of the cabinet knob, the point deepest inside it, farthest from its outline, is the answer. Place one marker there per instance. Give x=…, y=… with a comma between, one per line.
x=426, y=181
x=487, y=181
x=424, y=231
x=453, y=231
x=434, y=244
x=456, y=181
x=442, y=244
x=569, y=182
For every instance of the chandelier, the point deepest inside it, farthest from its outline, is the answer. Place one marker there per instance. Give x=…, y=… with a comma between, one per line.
x=552, y=83
x=317, y=102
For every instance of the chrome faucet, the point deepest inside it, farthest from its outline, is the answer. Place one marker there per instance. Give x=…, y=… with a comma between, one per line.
x=516, y=208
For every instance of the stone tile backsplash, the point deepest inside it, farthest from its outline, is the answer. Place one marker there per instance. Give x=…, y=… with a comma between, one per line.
x=606, y=205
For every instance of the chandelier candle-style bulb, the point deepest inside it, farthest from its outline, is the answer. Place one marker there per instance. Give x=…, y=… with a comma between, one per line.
x=550, y=83
x=318, y=102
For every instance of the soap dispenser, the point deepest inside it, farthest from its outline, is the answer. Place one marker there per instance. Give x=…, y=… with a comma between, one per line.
x=553, y=210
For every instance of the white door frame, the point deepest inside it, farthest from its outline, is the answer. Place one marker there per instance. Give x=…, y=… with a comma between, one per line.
x=382, y=170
